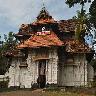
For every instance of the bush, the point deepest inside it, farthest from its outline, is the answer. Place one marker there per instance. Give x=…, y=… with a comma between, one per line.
x=3, y=84
x=93, y=84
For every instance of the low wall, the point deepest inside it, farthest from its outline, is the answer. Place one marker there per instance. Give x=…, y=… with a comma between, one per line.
x=3, y=78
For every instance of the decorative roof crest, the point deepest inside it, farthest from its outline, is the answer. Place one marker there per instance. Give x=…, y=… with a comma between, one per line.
x=44, y=14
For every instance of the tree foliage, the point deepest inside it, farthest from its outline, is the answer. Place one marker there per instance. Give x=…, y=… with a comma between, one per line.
x=7, y=45
x=92, y=12
x=10, y=42
x=82, y=20
x=93, y=63
x=71, y=3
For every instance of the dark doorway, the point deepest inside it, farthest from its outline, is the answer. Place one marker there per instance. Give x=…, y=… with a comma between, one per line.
x=41, y=74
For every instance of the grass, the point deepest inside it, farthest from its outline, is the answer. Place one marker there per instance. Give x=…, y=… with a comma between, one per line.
x=50, y=91
x=56, y=91
x=41, y=93
x=59, y=93
x=14, y=89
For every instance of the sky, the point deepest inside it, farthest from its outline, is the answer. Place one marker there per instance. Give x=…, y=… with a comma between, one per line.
x=13, y=13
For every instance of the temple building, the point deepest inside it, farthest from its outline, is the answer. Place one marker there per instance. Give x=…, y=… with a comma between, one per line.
x=49, y=54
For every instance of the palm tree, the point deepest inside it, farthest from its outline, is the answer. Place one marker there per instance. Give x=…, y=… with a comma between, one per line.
x=82, y=18
x=82, y=21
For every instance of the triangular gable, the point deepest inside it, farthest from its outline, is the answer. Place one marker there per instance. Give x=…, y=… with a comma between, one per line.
x=42, y=41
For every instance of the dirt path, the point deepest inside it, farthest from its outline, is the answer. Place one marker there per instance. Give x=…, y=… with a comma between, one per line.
x=37, y=92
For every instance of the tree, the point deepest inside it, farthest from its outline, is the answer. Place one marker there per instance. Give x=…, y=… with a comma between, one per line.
x=8, y=45
x=71, y=3
x=2, y=59
x=92, y=12
x=82, y=18
x=10, y=42
x=82, y=22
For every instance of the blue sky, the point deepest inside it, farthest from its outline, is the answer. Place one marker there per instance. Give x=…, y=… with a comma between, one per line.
x=13, y=13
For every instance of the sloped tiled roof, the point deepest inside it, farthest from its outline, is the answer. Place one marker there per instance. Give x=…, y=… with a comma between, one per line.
x=63, y=25
x=44, y=17
x=75, y=46
x=67, y=25
x=13, y=53
x=24, y=30
x=44, y=21
x=42, y=41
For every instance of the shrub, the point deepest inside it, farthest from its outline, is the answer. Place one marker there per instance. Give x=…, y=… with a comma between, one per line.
x=3, y=84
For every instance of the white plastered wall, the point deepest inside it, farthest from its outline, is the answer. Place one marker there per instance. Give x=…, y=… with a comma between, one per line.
x=27, y=76
x=73, y=74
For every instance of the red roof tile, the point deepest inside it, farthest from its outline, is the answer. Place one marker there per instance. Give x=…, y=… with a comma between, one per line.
x=76, y=46
x=42, y=41
x=67, y=25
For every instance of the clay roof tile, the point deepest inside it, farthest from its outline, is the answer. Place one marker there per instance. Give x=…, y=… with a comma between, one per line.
x=42, y=41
